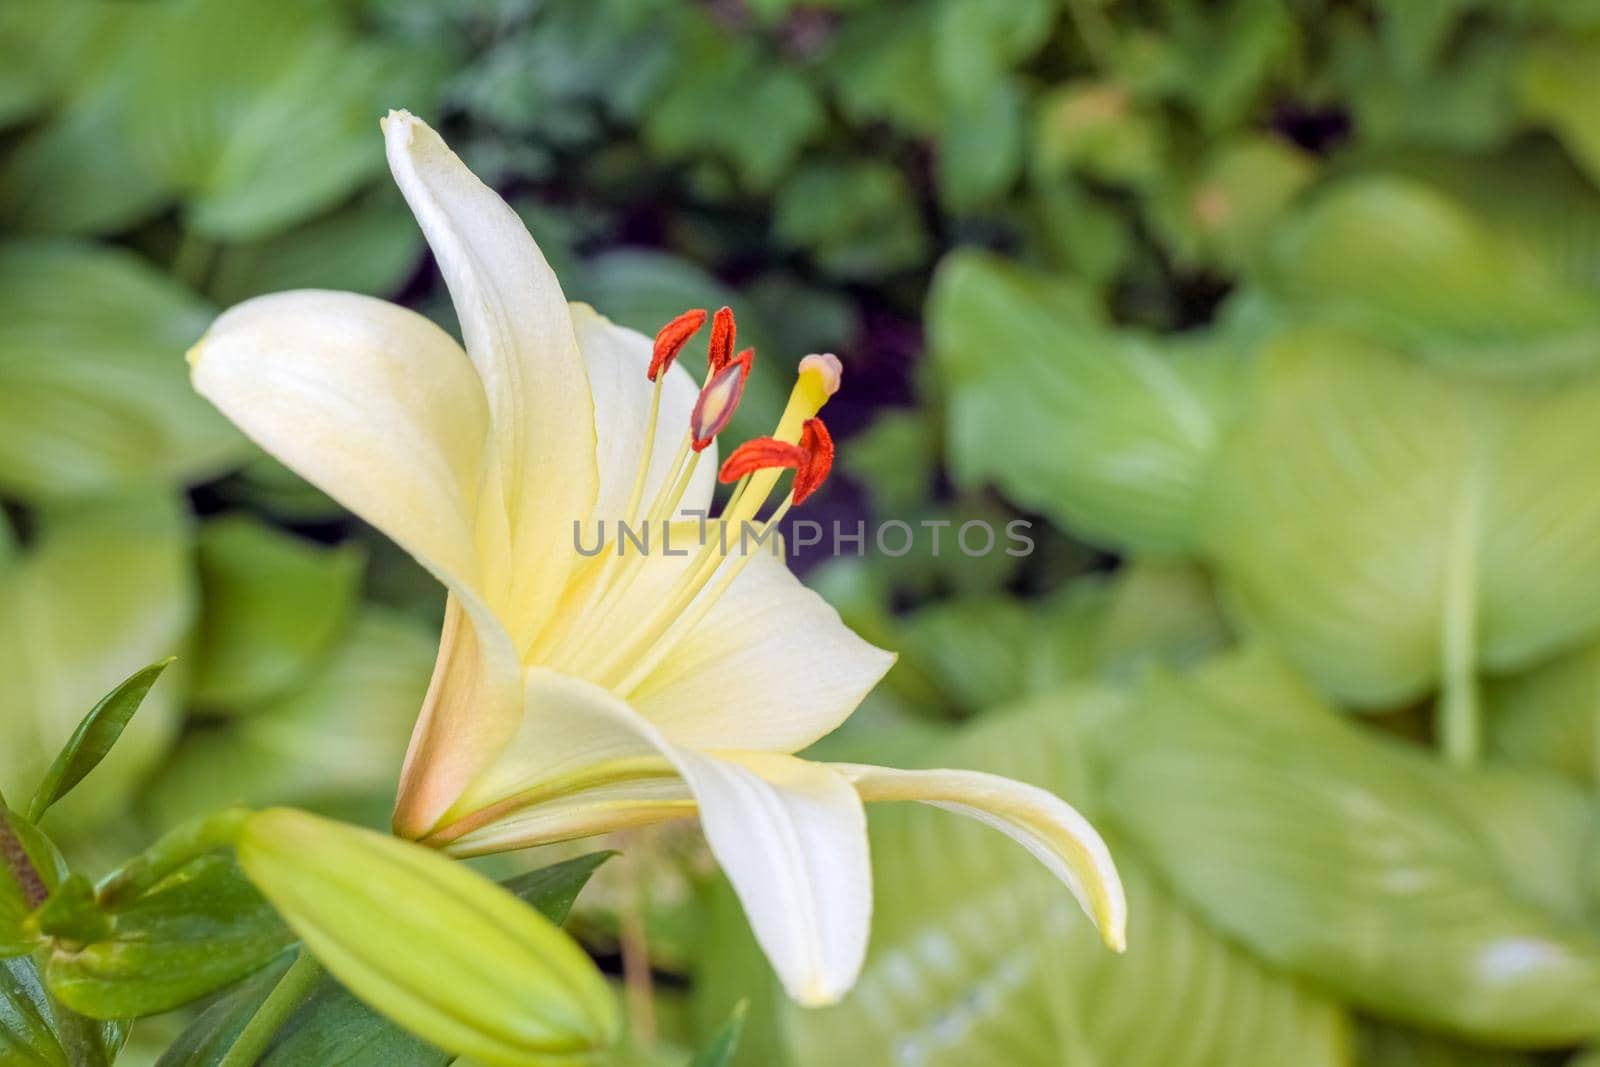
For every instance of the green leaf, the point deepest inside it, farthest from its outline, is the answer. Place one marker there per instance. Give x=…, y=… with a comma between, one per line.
x=106, y=588
x=880, y=65
x=1378, y=1045
x=35, y=1031
x=332, y=1026
x=1107, y=433
x=1547, y=716
x=1399, y=260
x=980, y=152
x=94, y=738
x=721, y=1051
x=27, y=1033
x=273, y=609
x=857, y=219
x=553, y=889
x=30, y=869
x=425, y=940
x=728, y=100
x=1449, y=899
x=340, y=734
x=371, y=248
x=1229, y=209
x=1374, y=517
x=287, y=125
x=978, y=956
x=199, y=929
x=94, y=395
x=1560, y=73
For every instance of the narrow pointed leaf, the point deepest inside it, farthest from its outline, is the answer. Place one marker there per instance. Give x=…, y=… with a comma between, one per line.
x=94, y=738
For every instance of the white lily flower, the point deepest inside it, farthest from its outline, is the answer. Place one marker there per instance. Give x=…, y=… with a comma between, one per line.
x=577, y=694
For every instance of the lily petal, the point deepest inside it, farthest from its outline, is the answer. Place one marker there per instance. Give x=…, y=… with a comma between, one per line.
x=772, y=665
x=1041, y=822
x=371, y=403
x=791, y=835
x=617, y=358
x=519, y=334
x=473, y=705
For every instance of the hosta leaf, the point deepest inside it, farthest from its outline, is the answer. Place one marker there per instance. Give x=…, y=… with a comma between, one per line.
x=1559, y=73
x=1374, y=516
x=1399, y=260
x=105, y=590
x=287, y=124
x=1547, y=716
x=340, y=734
x=93, y=391
x=273, y=608
x=1449, y=899
x=978, y=957
x=1378, y=1045
x=1107, y=433
x=371, y=248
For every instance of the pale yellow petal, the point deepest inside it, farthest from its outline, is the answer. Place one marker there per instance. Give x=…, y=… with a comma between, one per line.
x=371, y=403
x=472, y=708
x=1044, y=824
x=617, y=359
x=791, y=835
x=771, y=665
x=519, y=335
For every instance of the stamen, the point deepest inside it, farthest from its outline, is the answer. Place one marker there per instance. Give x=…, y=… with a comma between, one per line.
x=671, y=338
x=763, y=453
x=719, y=400
x=723, y=331
x=817, y=445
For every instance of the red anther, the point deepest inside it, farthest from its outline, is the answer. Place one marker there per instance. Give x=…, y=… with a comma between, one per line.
x=717, y=403
x=671, y=338
x=817, y=444
x=745, y=360
x=760, y=454
x=723, y=332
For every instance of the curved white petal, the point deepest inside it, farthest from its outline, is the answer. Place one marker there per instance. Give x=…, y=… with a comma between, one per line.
x=519, y=335
x=791, y=835
x=371, y=403
x=1043, y=823
x=617, y=359
x=771, y=667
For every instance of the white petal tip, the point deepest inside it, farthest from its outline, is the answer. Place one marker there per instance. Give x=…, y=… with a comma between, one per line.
x=195, y=353
x=398, y=125
x=817, y=994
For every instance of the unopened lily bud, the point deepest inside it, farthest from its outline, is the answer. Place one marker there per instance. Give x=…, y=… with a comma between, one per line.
x=434, y=946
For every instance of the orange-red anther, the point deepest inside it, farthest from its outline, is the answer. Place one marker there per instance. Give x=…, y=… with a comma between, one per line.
x=717, y=403
x=671, y=338
x=762, y=453
x=817, y=444
x=723, y=332
x=745, y=360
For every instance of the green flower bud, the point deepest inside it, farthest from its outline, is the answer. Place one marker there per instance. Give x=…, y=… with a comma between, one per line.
x=440, y=950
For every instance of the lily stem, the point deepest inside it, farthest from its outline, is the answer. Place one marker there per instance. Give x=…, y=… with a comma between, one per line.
x=636, y=978
x=287, y=996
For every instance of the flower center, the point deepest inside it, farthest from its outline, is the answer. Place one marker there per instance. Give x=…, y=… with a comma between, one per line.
x=622, y=629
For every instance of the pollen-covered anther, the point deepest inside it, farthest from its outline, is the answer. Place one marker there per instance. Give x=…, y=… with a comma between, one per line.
x=671, y=338
x=761, y=454
x=723, y=332
x=718, y=401
x=817, y=444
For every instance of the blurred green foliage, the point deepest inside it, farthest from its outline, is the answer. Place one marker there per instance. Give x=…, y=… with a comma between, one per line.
x=1280, y=319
